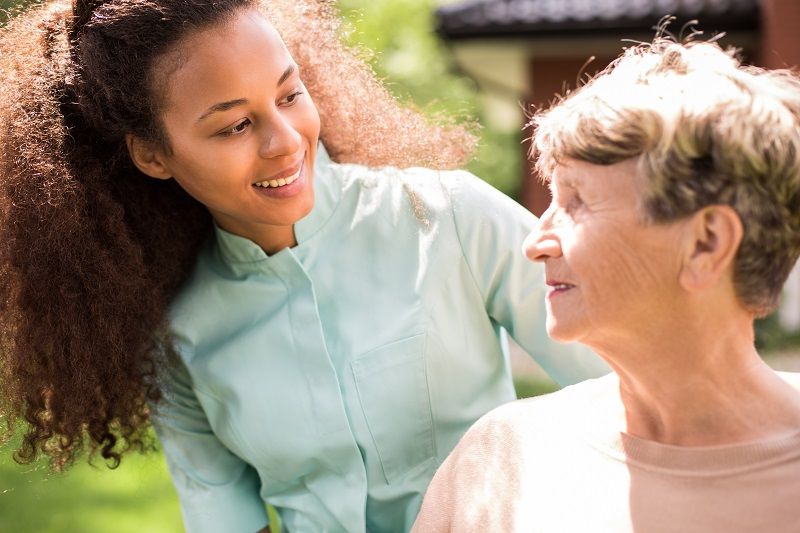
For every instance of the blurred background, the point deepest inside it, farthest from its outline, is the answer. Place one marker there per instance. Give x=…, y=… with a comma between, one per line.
x=487, y=60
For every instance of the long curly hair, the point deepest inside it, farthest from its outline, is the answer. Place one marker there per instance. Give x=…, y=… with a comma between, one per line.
x=91, y=250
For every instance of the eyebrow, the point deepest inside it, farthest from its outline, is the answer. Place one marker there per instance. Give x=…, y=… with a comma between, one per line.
x=286, y=73
x=565, y=181
x=230, y=104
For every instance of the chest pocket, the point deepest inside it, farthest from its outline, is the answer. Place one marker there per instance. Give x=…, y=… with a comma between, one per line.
x=392, y=384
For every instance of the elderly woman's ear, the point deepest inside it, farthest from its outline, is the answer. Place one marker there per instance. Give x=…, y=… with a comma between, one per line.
x=712, y=238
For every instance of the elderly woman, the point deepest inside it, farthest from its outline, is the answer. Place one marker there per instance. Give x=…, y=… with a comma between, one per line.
x=675, y=221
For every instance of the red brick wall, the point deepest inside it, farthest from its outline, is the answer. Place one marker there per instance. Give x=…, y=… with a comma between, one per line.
x=780, y=34
x=549, y=77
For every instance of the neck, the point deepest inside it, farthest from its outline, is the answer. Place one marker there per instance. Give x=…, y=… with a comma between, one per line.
x=270, y=238
x=699, y=381
x=275, y=240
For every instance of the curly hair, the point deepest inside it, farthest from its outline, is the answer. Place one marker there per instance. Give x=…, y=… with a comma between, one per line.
x=92, y=251
x=706, y=130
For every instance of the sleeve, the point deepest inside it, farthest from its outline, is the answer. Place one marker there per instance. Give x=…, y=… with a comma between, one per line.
x=477, y=487
x=491, y=228
x=217, y=490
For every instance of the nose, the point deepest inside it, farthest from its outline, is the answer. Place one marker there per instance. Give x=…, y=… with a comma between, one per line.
x=542, y=243
x=280, y=138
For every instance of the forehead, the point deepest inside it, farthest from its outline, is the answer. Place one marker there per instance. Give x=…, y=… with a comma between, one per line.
x=619, y=184
x=214, y=63
x=574, y=173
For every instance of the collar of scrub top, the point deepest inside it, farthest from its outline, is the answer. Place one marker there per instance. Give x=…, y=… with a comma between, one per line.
x=327, y=192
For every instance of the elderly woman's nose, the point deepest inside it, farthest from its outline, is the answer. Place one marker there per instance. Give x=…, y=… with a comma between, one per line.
x=541, y=244
x=539, y=249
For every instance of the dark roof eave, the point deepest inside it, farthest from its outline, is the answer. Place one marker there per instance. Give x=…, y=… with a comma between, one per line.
x=569, y=29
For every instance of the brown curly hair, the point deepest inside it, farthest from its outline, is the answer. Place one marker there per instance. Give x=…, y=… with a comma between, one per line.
x=91, y=250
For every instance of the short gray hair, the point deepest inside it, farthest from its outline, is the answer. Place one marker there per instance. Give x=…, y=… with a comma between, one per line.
x=706, y=130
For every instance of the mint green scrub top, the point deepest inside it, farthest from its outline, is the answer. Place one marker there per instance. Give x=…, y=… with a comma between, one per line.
x=331, y=379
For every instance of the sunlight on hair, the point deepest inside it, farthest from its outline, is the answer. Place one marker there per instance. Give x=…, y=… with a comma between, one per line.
x=706, y=130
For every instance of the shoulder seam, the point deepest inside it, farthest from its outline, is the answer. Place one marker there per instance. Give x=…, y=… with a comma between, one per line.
x=458, y=237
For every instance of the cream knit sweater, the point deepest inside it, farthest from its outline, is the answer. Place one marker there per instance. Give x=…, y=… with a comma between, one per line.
x=547, y=465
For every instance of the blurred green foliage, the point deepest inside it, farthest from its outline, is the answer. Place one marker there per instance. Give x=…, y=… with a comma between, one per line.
x=770, y=336
x=134, y=498
x=399, y=42
x=527, y=387
x=10, y=5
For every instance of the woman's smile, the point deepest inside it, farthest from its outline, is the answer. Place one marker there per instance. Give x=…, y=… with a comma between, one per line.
x=285, y=184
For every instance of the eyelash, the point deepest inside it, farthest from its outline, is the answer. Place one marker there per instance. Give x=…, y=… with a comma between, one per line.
x=294, y=96
x=575, y=202
x=570, y=201
x=235, y=129
x=239, y=127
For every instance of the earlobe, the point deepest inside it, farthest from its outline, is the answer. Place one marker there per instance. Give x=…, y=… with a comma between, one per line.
x=712, y=240
x=147, y=157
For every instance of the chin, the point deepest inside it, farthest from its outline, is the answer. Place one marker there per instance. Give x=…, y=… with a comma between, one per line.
x=561, y=332
x=296, y=208
x=305, y=207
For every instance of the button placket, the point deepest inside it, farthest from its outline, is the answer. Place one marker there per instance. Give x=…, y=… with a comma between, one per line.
x=308, y=336
x=330, y=416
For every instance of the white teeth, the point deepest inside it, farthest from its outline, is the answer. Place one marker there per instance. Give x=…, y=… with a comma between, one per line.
x=279, y=182
x=561, y=286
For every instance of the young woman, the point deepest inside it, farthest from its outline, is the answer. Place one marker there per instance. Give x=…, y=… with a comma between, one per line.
x=308, y=333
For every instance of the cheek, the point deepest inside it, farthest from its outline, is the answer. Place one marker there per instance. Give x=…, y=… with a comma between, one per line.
x=626, y=266
x=208, y=177
x=312, y=122
x=306, y=119
x=195, y=176
x=207, y=164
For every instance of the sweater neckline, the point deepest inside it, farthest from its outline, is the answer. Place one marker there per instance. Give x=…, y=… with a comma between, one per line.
x=699, y=461
x=692, y=461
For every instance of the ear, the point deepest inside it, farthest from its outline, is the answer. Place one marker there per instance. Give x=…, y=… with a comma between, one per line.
x=148, y=157
x=712, y=240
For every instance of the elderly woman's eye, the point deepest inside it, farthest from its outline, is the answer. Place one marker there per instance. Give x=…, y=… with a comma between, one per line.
x=574, y=202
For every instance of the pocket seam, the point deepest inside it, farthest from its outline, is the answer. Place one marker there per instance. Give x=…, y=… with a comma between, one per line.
x=360, y=373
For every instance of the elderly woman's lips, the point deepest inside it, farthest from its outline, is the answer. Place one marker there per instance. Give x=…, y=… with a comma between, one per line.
x=557, y=287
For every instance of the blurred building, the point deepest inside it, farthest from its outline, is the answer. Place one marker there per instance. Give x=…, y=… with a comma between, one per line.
x=523, y=53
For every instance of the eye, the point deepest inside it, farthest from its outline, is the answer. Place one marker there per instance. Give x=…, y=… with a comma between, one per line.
x=568, y=199
x=292, y=98
x=237, y=129
x=575, y=201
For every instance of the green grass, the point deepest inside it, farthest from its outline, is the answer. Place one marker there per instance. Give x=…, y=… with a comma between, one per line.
x=136, y=497
x=527, y=387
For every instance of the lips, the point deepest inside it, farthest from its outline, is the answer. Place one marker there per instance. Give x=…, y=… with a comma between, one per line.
x=557, y=287
x=295, y=182
x=280, y=182
x=283, y=178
